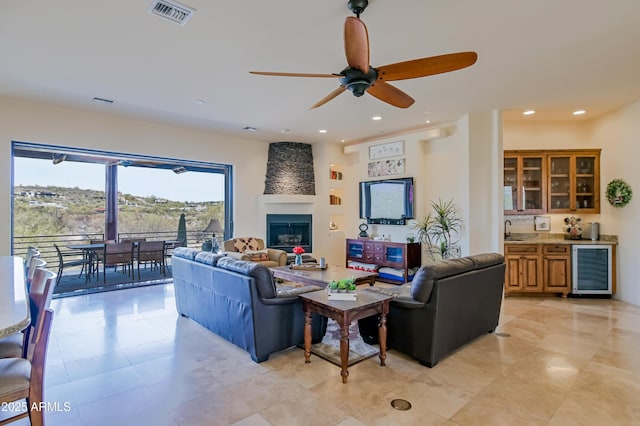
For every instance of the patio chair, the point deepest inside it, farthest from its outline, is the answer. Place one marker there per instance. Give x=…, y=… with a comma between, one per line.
x=72, y=260
x=24, y=377
x=132, y=240
x=115, y=254
x=152, y=252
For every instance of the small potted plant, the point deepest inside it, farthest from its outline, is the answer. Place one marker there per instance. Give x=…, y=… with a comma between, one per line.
x=343, y=289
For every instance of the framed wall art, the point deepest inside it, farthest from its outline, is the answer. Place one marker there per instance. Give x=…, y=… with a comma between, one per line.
x=386, y=167
x=390, y=149
x=542, y=223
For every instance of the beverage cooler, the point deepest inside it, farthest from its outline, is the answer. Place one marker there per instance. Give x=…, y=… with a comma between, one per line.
x=592, y=269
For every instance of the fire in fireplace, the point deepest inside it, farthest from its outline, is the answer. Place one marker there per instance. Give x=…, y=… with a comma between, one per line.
x=285, y=231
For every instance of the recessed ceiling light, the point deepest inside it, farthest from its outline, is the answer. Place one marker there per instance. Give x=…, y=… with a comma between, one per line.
x=428, y=121
x=579, y=112
x=250, y=129
x=376, y=118
x=529, y=112
x=342, y=140
x=285, y=130
x=198, y=101
x=322, y=131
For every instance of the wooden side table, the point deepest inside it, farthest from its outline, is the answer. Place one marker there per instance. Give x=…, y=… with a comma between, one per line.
x=344, y=312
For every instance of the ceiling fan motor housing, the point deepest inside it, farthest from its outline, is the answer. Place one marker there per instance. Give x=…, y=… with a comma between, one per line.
x=357, y=81
x=357, y=6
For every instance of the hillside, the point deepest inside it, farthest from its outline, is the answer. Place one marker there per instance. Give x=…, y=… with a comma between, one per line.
x=53, y=210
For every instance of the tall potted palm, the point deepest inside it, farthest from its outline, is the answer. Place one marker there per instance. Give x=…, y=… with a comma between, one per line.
x=440, y=230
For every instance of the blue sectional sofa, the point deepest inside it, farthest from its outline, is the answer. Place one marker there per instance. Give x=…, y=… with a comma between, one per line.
x=240, y=301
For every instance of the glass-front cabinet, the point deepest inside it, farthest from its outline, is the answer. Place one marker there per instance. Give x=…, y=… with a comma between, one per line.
x=574, y=182
x=559, y=183
x=524, y=183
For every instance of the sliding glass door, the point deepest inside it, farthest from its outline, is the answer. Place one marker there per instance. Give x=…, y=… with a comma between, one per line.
x=81, y=194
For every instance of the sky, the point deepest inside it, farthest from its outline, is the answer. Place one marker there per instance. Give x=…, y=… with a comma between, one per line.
x=139, y=181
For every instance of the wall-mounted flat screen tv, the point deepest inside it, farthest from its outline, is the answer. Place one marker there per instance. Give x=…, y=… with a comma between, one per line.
x=387, y=201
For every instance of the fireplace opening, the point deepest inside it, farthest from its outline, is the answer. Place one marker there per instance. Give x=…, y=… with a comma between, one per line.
x=286, y=231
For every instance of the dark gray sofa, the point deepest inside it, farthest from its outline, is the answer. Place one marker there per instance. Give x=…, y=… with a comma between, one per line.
x=447, y=304
x=239, y=301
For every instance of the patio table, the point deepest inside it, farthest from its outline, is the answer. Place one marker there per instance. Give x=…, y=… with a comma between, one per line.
x=89, y=250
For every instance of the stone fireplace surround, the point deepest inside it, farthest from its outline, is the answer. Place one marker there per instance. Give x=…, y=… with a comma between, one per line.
x=289, y=178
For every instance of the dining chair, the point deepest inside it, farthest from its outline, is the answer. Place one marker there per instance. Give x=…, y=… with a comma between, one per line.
x=116, y=254
x=40, y=295
x=22, y=378
x=32, y=251
x=35, y=263
x=72, y=260
x=151, y=252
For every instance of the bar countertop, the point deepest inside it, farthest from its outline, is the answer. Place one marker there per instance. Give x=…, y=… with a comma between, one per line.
x=540, y=238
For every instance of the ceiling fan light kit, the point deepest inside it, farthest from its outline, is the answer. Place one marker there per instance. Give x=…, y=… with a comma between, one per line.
x=360, y=77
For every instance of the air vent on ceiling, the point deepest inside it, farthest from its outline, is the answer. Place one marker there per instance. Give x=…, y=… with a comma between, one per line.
x=171, y=10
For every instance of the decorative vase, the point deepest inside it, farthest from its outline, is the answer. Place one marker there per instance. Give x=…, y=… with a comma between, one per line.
x=298, y=260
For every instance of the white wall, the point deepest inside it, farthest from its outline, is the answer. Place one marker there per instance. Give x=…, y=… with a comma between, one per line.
x=617, y=135
x=462, y=163
x=40, y=123
x=485, y=182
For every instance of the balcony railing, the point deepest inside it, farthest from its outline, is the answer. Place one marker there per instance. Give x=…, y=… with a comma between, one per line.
x=45, y=243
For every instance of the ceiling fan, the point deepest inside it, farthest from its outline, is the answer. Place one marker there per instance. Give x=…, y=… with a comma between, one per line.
x=360, y=77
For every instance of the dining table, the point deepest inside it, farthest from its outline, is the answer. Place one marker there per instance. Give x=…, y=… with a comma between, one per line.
x=14, y=299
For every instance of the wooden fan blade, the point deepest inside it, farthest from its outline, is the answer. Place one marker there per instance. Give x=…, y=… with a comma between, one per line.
x=293, y=74
x=356, y=43
x=390, y=94
x=427, y=66
x=329, y=97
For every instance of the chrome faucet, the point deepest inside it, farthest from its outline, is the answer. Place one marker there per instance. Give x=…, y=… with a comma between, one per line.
x=507, y=235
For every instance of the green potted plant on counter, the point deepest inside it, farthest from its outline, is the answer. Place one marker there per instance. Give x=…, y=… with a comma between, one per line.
x=440, y=229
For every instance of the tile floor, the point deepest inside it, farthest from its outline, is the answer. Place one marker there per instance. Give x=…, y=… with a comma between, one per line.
x=127, y=358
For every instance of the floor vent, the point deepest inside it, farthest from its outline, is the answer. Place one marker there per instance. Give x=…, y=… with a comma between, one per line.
x=171, y=10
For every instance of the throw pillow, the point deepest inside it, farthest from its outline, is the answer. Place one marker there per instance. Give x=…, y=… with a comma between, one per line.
x=257, y=255
x=243, y=244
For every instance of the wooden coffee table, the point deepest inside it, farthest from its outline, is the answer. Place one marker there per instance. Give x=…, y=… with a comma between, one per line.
x=322, y=277
x=344, y=312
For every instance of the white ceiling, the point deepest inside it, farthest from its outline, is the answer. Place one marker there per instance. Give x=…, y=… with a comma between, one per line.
x=553, y=56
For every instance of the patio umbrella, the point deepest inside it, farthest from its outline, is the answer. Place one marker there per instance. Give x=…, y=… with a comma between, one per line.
x=182, y=230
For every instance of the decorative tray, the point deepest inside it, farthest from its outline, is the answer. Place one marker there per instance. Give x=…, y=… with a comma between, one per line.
x=308, y=267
